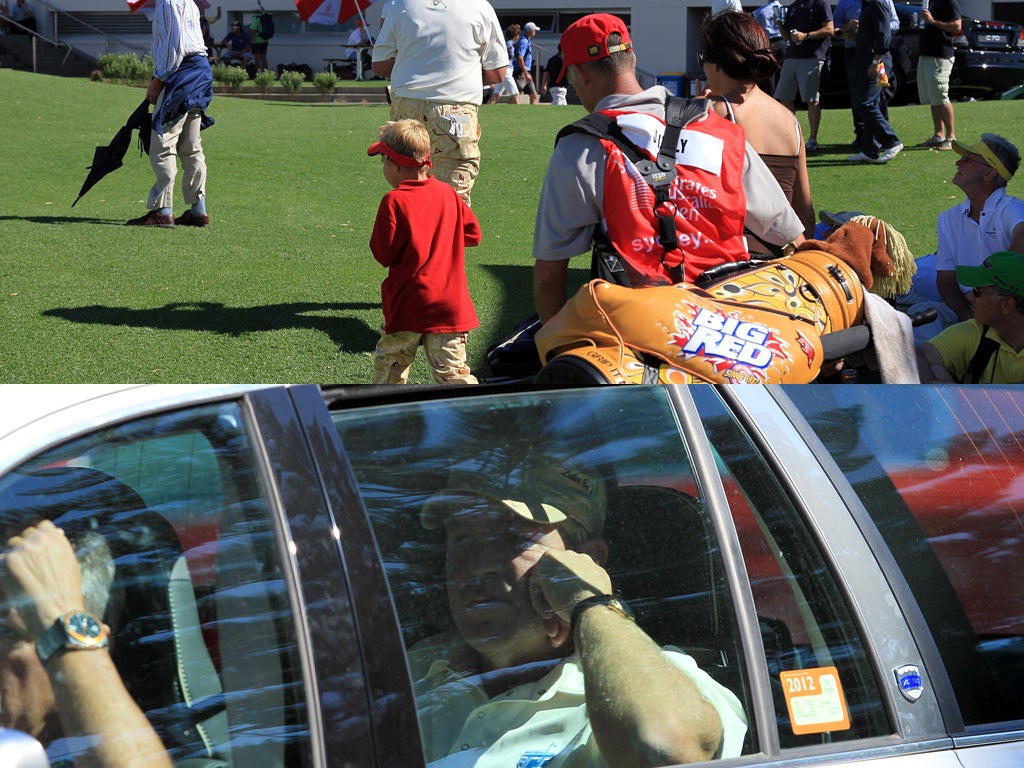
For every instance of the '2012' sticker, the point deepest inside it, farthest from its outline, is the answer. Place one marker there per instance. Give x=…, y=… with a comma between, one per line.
x=815, y=700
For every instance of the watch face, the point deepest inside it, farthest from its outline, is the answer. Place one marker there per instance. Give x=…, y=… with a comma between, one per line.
x=84, y=629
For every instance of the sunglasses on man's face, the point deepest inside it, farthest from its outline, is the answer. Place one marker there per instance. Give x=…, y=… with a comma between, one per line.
x=975, y=159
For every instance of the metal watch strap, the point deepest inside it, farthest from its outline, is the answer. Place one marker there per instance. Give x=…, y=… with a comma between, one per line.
x=611, y=601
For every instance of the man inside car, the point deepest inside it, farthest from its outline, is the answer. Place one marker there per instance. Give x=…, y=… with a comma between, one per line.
x=547, y=667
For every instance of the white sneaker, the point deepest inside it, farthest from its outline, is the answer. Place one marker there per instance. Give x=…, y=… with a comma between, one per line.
x=860, y=157
x=888, y=154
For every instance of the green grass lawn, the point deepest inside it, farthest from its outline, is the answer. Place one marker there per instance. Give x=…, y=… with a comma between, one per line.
x=282, y=286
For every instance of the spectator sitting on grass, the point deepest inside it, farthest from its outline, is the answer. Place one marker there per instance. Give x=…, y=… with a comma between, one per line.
x=988, y=348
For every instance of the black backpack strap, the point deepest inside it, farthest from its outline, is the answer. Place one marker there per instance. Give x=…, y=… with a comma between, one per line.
x=987, y=347
x=662, y=172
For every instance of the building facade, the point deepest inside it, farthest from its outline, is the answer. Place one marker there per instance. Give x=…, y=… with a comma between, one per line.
x=664, y=32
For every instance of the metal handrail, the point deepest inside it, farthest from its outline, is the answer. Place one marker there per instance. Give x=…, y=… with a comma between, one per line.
x=36, y=37
x=107, y=37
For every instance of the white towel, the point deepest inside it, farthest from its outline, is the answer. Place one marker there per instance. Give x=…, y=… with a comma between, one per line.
x=892, y=337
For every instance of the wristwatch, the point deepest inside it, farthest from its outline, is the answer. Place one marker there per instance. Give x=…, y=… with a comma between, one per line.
x=609, y=601
x=74, y=631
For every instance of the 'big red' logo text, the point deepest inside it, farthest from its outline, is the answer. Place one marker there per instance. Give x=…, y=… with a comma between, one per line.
x=728, y=337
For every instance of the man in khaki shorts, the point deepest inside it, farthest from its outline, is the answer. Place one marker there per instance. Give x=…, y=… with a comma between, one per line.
x=439, y=57
x=807, y=29
x=940, y=21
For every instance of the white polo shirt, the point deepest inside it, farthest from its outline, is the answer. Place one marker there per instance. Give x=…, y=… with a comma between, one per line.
x=440, y=49
x=962, y=242
x=538, y=723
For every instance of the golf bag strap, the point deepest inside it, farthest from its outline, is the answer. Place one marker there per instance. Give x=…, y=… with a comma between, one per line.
x=987, y=347
x=658, y=173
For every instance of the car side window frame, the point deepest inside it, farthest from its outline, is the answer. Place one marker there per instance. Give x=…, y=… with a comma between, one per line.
x=783, y=443
x=922, y=720
x=717, y=503
x=391, y=709
x=951, y=685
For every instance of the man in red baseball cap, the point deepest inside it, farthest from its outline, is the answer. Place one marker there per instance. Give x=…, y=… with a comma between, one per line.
x=594, y=197
x=588, y=40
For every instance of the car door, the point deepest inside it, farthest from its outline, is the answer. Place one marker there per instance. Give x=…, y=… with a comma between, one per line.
x=938, y=470
x=233, y=615
x=728, y=536
x=288, y=589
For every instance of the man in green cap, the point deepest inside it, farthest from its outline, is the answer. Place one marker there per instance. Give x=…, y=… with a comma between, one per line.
x=989, y=348
x=546, y=666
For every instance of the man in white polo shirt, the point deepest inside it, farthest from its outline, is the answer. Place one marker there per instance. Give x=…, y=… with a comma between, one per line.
x=987, y=221
x=439, y=56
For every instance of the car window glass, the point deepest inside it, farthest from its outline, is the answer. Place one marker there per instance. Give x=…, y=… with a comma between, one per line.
x=202, y=630
x=823, y=686
x=663, y=558
x=939, y=471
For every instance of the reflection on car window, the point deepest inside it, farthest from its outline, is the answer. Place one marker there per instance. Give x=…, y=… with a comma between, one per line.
x=202, y=633
x=483, y=510
x=823, y=686
x=939, y=471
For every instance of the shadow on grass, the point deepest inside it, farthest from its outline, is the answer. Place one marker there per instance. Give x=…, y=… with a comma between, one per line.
x=516, y=305
x=834, y=156
x=63, y=220
x=350, y=334
x=517, y=292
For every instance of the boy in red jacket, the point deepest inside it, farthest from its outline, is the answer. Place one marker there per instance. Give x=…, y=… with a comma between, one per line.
x=420, y=235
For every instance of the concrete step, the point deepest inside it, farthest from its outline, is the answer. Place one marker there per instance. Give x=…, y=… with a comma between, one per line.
x=16, y=53
x=367, y=94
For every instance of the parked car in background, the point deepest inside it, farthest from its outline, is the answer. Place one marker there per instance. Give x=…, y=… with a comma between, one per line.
x=989, y=60
x=845, y=560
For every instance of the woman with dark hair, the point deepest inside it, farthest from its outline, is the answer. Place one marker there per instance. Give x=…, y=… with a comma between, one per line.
x=736, y=54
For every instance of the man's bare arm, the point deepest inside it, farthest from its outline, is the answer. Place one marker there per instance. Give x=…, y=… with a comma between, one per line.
x=931, y=367
x=550, y=279
x=644, y=713
x=383, y=68
x=949, y=290
x=1017, y=240
x=91, y=699
x=494, y=76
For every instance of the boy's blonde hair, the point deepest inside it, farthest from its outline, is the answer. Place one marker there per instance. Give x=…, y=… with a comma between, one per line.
x=407, y=137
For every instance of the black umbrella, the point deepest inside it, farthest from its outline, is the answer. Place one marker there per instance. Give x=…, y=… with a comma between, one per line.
x=108, y=158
